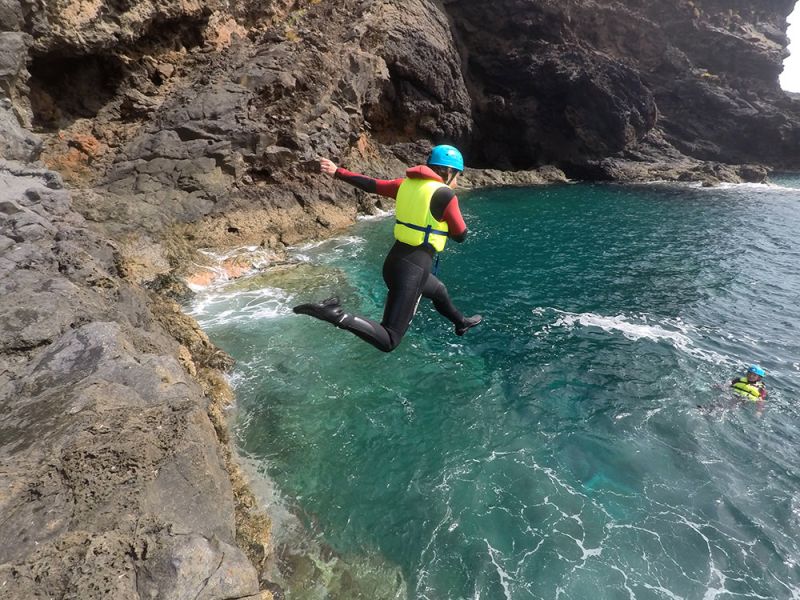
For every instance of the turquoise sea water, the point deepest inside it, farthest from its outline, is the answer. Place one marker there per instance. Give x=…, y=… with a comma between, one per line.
x=557, y=450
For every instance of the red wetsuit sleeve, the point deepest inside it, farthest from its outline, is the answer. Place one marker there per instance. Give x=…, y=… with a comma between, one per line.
x=444, y=207
x=384, y=187
x=455, y=222
x=388, y=187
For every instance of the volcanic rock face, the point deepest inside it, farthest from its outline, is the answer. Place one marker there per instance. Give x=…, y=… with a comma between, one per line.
x=717, y=86
x=113, y=482
x=214, y=115
x=16, y=142
x=540, y=95
x=191, y=124
x=427, y=89
x=570, y=81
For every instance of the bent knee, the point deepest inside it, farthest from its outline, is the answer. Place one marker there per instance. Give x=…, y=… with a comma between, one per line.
x=440, y=293
x=394, y=341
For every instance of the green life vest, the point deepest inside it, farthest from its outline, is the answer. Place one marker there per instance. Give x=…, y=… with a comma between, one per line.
x=415, y=224
x=751, y=391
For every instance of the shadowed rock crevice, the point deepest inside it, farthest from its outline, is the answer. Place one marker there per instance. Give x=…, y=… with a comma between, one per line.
x=70, y=85
x=63, y=89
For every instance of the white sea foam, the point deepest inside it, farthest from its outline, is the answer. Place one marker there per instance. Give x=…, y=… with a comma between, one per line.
x=334, y=242
x=772, y=187
x=250, y=305
x=698, y=185
x=256, y=257
x=505, y=578
x=335, y=245
x=675, y=331
x=249, y=371
x=661, y=182
x=377, y=216
x=628, y=327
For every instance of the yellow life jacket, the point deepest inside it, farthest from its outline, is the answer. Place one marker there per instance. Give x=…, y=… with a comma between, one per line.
x=415, y=224
x=751, y=391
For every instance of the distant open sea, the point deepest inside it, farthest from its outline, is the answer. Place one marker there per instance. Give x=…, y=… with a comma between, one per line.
x=557, y=450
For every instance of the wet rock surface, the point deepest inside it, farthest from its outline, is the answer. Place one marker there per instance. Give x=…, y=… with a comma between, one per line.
x=133, y=134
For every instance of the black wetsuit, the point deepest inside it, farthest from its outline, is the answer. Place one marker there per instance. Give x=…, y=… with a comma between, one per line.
x=407, y=269
x=407, y=273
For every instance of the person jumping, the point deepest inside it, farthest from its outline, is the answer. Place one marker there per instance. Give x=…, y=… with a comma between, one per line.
x=427, y=215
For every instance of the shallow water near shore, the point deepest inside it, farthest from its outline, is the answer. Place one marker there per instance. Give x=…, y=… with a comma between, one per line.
x=557, y=450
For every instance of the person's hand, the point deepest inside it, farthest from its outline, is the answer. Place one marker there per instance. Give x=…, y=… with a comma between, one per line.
x=327, y=166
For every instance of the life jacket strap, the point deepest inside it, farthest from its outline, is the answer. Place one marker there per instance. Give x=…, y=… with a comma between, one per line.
x=427, y=230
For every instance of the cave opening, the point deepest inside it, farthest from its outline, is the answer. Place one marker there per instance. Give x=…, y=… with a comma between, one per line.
x=790, y=77
x=67, y=88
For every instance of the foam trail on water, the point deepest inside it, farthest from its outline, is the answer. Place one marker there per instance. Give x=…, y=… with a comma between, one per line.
x=505, y=578
x=377, y=216
x=771, y=187
x=675, y=331
x=251, y=305
x=628, y=328
x=698, y=186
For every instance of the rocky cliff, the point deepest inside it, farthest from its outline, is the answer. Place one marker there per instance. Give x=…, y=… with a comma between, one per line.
x=213, y=115
x=574, y=82
x=115, y=479
x=135, y=132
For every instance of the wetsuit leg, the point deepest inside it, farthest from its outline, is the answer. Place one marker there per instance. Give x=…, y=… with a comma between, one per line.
x=331, y=311
x=436, y=291
x=369, y=331
x=405, y=281
x=405, y=271
x=405, y=277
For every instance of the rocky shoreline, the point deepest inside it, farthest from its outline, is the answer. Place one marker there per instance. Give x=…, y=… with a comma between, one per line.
x=118, y=478
x=132, y=135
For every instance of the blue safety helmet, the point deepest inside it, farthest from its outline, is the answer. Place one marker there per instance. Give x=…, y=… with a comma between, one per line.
x=446, y=156
x=757, y=370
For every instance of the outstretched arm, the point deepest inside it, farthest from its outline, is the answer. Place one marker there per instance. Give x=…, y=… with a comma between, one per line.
x=383, y=187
